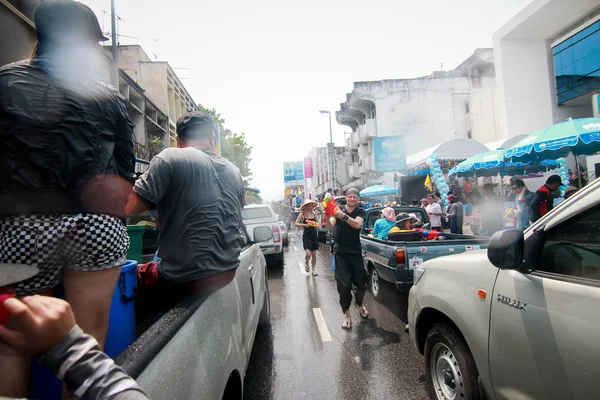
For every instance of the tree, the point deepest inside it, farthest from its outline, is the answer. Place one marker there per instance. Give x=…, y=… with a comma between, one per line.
x=233, y=145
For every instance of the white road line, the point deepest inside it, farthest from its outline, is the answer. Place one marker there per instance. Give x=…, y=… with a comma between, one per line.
x=301, y=266
x=295, y=248
x=325, y=335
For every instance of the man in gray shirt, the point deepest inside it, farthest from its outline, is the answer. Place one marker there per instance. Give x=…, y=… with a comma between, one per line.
x=199, y=196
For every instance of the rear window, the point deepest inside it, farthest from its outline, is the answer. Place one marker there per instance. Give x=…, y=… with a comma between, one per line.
x=255, y=213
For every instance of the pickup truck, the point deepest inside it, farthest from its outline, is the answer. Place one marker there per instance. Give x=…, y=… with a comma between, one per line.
x=200, y=348
x=395, y=261
x=256, y=215
x=521, y=320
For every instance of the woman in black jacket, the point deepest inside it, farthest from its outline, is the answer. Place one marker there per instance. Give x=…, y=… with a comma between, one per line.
x=66, y=160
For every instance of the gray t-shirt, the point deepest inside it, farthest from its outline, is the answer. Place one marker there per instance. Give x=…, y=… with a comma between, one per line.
x=200, y=196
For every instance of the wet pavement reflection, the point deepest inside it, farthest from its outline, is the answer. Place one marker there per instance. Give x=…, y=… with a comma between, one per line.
x=290, y=360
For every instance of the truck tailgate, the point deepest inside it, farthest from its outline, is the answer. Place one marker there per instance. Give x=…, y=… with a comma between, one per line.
x=419, y=252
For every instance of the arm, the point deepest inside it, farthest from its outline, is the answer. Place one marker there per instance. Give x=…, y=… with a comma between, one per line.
x=537, y=200
x=152, y=186
x=355, y=223
x=301, y=218
x=451, y=211
x=330, y=222
x=376, y=228
x=124, y=155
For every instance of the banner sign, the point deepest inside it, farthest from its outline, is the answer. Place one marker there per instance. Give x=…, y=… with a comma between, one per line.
x=293, y=171
x=389, y=153
x=308, y=170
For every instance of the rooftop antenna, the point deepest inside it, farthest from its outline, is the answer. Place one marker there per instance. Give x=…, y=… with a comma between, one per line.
x=442, y=65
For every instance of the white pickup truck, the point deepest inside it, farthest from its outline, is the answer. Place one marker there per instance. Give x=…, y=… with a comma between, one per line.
x=520, y=320
x=262, y=215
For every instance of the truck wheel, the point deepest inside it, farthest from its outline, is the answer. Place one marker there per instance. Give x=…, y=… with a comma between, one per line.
x=374, y=283
x=449, y=366
x=278, y=259
x=265, y=312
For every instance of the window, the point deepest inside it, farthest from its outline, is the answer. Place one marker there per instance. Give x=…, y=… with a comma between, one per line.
x=467, y=108
x=372, y=112
x=577, y=64
x=573, y=248
x=256, y=213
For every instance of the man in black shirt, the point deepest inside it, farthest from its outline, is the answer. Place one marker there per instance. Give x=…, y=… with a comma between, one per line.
x=349, y=266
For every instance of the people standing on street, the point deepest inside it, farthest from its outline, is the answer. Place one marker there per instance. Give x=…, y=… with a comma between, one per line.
x=522, y=203
x=349, y=266
x=455, y=214
x=383, y=225
x=199, y=196
x=434, y=211
x=310, y=236
x=491, y=210
x=69, y=137
x=543, y=201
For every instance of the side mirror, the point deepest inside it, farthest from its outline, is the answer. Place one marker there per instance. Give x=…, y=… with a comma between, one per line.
x=506, y=249
x=262, y=234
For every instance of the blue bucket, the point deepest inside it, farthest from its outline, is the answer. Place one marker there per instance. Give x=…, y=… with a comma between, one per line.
x=121, y=322
x=121, y=333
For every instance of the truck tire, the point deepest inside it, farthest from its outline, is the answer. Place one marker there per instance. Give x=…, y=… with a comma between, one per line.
x=374, y=283
x=449, y=366
x=278, y=259
x=265, y=312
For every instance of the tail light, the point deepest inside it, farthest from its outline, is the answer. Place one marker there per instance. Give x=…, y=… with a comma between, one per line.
x=400, y=257
x=277, y=234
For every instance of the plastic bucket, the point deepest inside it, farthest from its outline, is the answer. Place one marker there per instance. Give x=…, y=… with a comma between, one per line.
x=121, y=333
x=136, y=242
x=121, y=322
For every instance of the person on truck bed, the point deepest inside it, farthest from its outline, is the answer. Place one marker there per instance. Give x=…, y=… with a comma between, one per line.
x=349, y=266
x=66, y=165
x=199, y=196
x=383, y=225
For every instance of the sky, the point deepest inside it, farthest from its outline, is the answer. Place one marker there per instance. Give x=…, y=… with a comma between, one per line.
x=268, y=68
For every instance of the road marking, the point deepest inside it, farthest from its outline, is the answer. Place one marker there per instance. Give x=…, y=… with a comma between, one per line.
x=301, y=266
x=325, y=335
x=295, y=248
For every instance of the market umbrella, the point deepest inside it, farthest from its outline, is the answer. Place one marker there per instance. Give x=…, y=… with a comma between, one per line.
x=378, y=190
x=490, y=163
x=577, y=136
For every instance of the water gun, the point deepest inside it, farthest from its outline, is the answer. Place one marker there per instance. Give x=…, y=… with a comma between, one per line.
x=329, y=205
x=312, y=223
x=432, y=235
x=5, y=294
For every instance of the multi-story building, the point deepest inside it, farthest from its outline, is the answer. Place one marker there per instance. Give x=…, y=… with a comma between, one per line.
x=323, y=179
x=548, y=64
x=160, y=83
x=427, y=111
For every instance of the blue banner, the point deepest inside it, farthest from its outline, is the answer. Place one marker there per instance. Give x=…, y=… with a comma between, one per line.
x=293, y=171
x=389, y=153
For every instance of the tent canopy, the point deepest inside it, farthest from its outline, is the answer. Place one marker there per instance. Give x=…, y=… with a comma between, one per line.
x=455, y=149
x=505, y=143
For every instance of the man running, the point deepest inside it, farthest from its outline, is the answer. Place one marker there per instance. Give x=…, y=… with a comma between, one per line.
x=349, y=266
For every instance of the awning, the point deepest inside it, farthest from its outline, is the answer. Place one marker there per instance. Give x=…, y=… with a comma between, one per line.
x=504, y=143
x=455, y=149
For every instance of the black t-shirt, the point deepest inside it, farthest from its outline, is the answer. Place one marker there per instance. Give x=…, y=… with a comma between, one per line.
x=346, y=237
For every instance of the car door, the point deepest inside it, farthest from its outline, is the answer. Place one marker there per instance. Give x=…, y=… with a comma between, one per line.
x=246, y=285
x=544, y=325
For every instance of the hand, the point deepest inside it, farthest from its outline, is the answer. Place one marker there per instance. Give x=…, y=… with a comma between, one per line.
x=36, y=323
x=339, y=214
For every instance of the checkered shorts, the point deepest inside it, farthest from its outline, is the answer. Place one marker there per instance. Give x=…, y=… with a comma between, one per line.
x=83, y=242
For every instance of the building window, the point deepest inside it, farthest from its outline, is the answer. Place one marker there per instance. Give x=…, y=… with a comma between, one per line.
x=469, y=135
x=372, y=111
x=577, y=64
x=467, y=109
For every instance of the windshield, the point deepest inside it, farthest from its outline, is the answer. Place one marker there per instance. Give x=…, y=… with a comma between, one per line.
x=255, y=213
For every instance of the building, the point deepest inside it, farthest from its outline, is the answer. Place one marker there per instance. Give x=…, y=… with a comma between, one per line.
x=547, y=64
x=426, y=111
x=17, y=32
x=322, y=179
x=160, y=83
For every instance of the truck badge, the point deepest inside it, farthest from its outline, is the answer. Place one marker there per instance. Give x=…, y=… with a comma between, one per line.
x=518, y=304
x=423, y=249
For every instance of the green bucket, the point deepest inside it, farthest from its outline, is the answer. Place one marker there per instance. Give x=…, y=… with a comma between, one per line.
x=136, y=242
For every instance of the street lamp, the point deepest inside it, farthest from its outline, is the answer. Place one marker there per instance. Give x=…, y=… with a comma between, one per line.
x=333, y=174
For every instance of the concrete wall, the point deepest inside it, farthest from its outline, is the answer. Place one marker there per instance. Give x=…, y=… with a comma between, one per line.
x=17, y=37
x=153, y=78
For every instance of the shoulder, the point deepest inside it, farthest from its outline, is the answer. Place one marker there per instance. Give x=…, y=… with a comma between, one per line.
x=360, y=212
x=21, y=70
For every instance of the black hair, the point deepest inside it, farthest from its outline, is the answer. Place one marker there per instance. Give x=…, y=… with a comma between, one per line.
x=195, y=125
x=554, y=179
x=518, y=183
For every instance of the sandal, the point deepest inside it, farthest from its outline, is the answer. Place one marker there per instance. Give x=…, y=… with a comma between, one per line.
x=314, y=273
x=347, y=324
x=306, y=268
x=363, y=312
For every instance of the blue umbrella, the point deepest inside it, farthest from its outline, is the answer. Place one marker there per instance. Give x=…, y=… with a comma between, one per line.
x=378, y=190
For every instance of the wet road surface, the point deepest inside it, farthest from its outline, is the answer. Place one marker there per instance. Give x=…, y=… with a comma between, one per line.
x=305, y=354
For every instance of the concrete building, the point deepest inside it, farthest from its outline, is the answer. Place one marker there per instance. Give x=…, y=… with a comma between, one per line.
x=160, y=84
x=547, y=64
x=430, y=110
x=17, y=30
x=322, y=179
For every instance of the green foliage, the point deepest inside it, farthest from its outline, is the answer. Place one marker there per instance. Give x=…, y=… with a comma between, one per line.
x=155, y=146
x=233, y=145
x=253, y=198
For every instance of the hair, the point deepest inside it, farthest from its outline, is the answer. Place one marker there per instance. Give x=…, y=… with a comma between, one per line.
x=518, y=183
x=437, y=194
x=554, y=179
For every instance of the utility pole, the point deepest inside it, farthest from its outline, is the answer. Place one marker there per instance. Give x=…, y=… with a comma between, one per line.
x=332, y=151
x=114, y=71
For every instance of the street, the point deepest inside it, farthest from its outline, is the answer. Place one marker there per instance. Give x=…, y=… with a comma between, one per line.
x=304, y=356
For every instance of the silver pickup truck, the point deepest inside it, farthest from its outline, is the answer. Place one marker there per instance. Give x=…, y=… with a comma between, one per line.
x=200, y=348
x=520, y=321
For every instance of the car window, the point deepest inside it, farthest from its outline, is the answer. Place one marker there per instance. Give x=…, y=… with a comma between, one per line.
x=255, y=213
x=573, y=248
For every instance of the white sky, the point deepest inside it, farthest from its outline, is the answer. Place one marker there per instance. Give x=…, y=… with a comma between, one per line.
x=268, y=68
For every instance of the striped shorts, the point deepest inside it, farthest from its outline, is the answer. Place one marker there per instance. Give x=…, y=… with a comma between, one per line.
x=51, y=242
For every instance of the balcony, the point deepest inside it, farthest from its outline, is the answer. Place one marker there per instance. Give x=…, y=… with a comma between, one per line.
x=350, y=143
x=367, y=131
x=353, y=171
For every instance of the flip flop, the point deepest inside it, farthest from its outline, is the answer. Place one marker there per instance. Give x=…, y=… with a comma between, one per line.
x=315, y=274
x=363, y=312
x=347, y=324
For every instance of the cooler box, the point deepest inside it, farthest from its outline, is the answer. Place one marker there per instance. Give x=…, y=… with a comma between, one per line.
x=136, y=242
x=121, y=333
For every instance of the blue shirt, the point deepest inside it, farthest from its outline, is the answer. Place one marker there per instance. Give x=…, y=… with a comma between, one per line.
x=382, y=228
